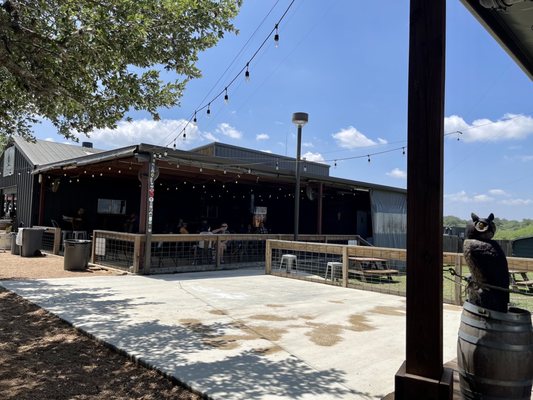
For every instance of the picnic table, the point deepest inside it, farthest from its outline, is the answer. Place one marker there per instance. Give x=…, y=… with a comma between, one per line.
x=370, y=267
x=520, y=281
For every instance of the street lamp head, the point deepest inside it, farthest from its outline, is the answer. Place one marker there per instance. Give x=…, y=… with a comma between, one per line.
x=300, y=118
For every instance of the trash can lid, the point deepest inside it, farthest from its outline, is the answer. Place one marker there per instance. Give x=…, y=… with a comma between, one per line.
x=74, y=241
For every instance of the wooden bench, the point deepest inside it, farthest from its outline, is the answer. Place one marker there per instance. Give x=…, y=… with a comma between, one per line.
x=370, y=267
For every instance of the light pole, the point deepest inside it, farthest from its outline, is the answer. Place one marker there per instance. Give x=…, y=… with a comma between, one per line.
x=300, y=119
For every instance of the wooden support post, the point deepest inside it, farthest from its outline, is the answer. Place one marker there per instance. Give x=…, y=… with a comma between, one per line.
x=319, y=209
x=422, y=375
x=268, y=258
x=345, y=263
x=137, y=251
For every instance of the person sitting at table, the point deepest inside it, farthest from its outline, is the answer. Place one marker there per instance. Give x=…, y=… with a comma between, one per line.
x=131, y=223
x=78, y=221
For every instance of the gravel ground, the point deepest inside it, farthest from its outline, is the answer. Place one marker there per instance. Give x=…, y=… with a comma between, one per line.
x=42, y=357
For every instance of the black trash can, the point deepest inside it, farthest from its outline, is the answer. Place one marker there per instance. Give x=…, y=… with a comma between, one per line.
x=32, y=239
x=15, y=248
x=77, y=254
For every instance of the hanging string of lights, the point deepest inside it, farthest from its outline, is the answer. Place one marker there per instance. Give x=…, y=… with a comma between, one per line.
x=224, y=92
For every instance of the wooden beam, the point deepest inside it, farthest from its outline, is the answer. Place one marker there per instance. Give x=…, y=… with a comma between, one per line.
x=422, y=375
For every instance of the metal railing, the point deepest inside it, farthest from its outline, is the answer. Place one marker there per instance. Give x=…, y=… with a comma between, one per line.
x=171, y=253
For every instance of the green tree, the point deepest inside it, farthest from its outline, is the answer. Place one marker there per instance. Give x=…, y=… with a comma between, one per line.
x=83, y=64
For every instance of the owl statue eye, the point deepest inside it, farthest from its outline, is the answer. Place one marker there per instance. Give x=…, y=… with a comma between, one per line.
x=481, y=226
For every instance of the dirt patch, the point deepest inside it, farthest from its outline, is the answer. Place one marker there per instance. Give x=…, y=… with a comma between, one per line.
x=13, y=267
x=388, y=310
x=275, y=305
x=218, y=312
x=42, y=357
x=359, y=323
x=324, y=334
x=269, y=317
x=336, y=301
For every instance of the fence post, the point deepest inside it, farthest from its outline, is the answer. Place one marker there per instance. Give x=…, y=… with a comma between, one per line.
x=268, y=257
x=345, y=261
x=137, y=243
x=57, y=241
x=457, y=286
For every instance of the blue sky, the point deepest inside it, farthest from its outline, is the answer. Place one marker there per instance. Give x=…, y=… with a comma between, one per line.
x=345, y=63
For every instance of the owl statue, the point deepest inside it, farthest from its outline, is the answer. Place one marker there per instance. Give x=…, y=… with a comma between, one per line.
x=488, y=265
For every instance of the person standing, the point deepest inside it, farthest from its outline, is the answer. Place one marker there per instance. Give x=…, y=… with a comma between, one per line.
x=223, y=243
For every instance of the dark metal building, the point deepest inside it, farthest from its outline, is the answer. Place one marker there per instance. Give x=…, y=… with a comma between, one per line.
x=214, y=183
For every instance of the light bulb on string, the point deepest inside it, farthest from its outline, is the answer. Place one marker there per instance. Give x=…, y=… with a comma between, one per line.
x=276, y=37
x=247, y=73
x=184, y=134
x=195, y=120
x=209, y=109
x=335, y=164
x=458, y=137
x=305, y=167
x=226, y=97
x=277, y=166
x=368, y=155
x=403, y=151
x=174, y=145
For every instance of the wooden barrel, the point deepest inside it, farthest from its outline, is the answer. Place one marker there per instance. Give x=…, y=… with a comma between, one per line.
x=495, y=354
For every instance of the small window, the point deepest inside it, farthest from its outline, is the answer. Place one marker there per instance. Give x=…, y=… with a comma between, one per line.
x=110, y=206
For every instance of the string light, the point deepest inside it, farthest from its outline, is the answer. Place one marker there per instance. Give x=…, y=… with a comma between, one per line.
x=209, y=109
x=403, y=151
x=226, y=97
x=274, y=31
x=194, y=119
x=368, y=155
x=305, y=167
x=247, y=73
x=458, y=137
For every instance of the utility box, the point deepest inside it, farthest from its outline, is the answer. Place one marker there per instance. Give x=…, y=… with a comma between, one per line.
x=77, y=254
x=32, y=239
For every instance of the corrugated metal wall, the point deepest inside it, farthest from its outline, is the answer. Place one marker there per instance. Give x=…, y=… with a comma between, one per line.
x=24, y=182
x=249, y=158
x=523, y=247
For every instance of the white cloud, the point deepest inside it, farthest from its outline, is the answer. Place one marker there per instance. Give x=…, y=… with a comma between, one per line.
x=307, y=144
x=351, y=138
x=160, y=132
x=262, y=136
x=228, y=130
x=382, y=141
x=266, y=151
x=498, y=192
x=510, y=127
x=525, y=158
x=397, y=173
x=482, y=198
x=212, y=138
x=517, y=202
x=463, y=197
x=316, y=157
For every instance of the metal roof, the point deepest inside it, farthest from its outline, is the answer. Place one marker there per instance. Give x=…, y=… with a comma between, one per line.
x=192, y=160
x=43, y=152
x=510, y=22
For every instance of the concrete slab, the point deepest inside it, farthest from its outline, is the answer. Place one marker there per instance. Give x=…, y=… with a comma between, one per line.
x=240, y=334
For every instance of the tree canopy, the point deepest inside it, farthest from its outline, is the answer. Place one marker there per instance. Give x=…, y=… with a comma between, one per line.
x=83, y=64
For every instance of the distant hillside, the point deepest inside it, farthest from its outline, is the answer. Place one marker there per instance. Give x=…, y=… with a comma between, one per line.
x=506, y=229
